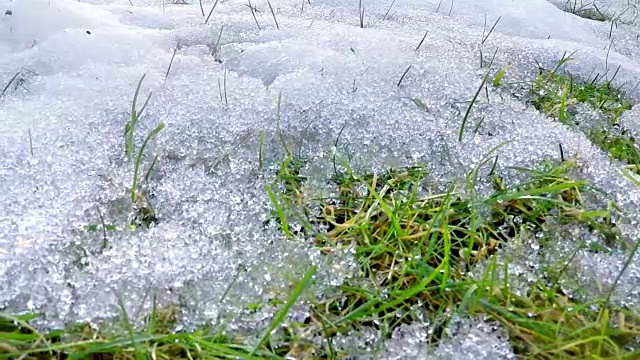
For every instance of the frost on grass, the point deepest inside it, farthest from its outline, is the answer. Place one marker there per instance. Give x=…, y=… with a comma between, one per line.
x=69, y=71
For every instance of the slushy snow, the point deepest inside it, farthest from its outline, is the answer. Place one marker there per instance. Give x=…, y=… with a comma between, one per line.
x=72, y=69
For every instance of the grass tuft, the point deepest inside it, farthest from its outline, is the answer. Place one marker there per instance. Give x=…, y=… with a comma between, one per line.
x=557, y=95
x=586, y=10
x=416, y=250
x=130, y=126
x=18, y=340
x=144, y=215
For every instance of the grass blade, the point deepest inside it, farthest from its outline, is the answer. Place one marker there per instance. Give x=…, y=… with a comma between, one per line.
x=403, y=75
x=283, y=219
x=136, y=169
x=211, y=12
x=473, y=101
x=280, y=316
x=273, y=14
x=388, y=10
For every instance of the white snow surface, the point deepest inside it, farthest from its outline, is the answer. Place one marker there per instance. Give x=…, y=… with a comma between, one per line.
x=76, y=66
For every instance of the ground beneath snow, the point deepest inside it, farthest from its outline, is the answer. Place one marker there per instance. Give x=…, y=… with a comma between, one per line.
x=75, y=66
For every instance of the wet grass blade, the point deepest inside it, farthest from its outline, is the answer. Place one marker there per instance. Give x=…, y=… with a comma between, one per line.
x=388, y=10
x=403, y=75
x=175, y=50
x=282, y=314
x=491, y=30
x=563, y=105
x=280, y=211
x=273, y=14
x=15, y=76
x=136, y=169
x=206, y=21
x=261, y=150
x=473, y=101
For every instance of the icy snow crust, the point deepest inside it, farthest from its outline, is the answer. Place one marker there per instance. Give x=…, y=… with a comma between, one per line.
x=79, y=63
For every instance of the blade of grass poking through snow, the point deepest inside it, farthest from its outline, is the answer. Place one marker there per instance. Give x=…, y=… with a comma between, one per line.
x=491, y=62
x=211, y=12
x=253, y=12
x=610, y=82
x=499, y=76
x=240, y=269
x=563, y=105
x=438, y=8
x=280, y=211
x=224, y=82
x=494, y=166
x=478, y=125
x=220, y=91
x=273, y=14
x=105, y=241
x=606, y=59
x=284, y=144
x=420, y=104
x=136, y=169
x=631, y=176
x=491, y=30
x=148, y=174
x=403, y=75
x=6, y=87
x=388, y=10
x=127, y=325
x=171, y=62
x=223, y=88
x=473, y=101
x=282, y=314
x=261, y=150
x=30, y=142
x=634, y=250
x=472, y=176
x=421, y=41
x=152, y=322
x=201, y=7
x=216, y=47
x=129, y=128
x=335, y=148
x=565, y=59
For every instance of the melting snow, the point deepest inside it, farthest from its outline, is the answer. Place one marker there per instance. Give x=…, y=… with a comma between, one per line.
x=74, y=66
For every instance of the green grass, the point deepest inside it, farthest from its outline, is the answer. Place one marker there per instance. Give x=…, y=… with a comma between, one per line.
x=415, y=249
x=155, y=341
x=586, y=10
x=556, y=94
x=144, y=215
